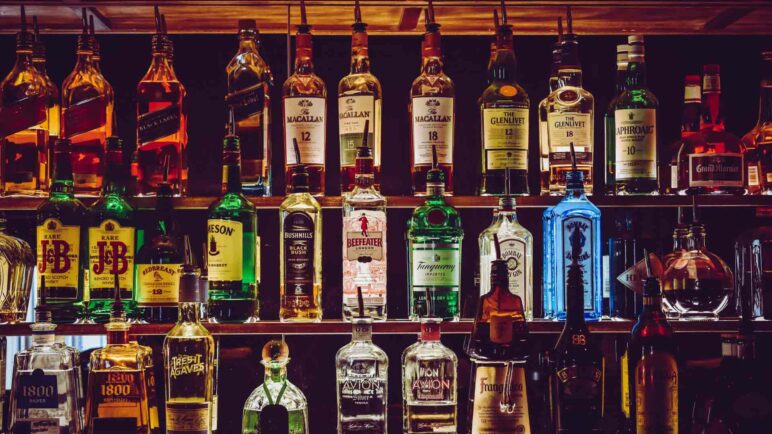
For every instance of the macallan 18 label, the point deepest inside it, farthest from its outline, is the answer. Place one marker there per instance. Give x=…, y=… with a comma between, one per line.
x=158, y=283
x=111, y=251
x=432, y=125
x=505, y=138
x=499, y=406
x=364, y=257
x=58, y=253
x=304, y=120
x=636, y=143
x=224, y=251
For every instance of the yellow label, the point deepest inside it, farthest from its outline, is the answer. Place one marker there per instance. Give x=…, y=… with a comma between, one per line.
x=257, y=258
x=110, y=251
x=188, y=417
x=500, y=407
x=158, y=283
x=625, y=372
x=656, y=394
x=224, y=250
x=58, y=252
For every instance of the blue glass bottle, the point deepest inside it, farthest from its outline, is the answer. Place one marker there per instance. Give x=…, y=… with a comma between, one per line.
x=560, y=223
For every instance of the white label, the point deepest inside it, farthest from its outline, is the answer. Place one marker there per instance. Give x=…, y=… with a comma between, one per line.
x=636, y=143
x=436, y=265
x=500, y=403
x=225, y=250
x=692, y=94
x=565, y=128
x=513, y=251
x=304, y=120
x=674, y=176
x=581, y=227
x=353, y=111
x=753, y=176
x=432, y=126
x=544, y=146
x=364, y=257
x=505, y=138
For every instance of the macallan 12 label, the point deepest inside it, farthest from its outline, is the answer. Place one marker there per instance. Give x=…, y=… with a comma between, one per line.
x=304, y=120
x=364, y=257
x=432, y=125
x=58, y=252
x=224, y=250
x=110, y=252
x=636, y=143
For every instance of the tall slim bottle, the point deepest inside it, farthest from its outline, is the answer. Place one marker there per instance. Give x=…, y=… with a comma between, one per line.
x=544, y=143
x=608, y=117
x=53, y=105
x=758, y=141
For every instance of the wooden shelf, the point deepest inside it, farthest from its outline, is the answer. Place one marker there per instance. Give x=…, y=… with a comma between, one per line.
x=388, y=17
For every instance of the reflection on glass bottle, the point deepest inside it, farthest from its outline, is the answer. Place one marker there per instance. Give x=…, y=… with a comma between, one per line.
x=758, y=141
x=753, y=268
x=17, y=265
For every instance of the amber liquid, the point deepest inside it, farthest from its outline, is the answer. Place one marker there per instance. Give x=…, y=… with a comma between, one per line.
x=24, y=162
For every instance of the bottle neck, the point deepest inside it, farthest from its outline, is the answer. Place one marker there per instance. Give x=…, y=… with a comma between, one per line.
x=360, y=60
x=553, y=79
x=43, y=333
x=40, y=65
x=435, y=190
x=231, y=175
x=62, y=184
x=304, y=58
x=276, y=373
x=362, y=331
x=247, y=43
x=117, y=334
x=24, y=58
x=570, y=71
x=189, y=312
x=711, y=103
x=575, y=306
x=431, y=57
x=680, y=239
x=575, y=191
x=698, y=238
x=621, y=79
x=112, y=179
x=636, y=74
x=164, y=208
x=504, y=66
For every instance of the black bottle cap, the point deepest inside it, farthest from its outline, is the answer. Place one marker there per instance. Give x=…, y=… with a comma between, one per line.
x=117, y=311
x=246, y=25
x=191, y=290
x=499, y=269
x=651, y=284
x=231, y=141
x=435, y=176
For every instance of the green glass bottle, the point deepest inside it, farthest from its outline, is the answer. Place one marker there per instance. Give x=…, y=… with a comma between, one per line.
x=61, y=246
x=111, y=239
x=434, y=237
x=232, y=244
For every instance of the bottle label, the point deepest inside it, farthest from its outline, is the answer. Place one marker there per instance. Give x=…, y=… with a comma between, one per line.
x=110, y=252
x=433, y=125
x=225, y=250
x=580, y=227
x=716, y=170
x=299, y=251
x=85, y=116
x=58, y=253
x=158, y=124
x=580, y=391
x=436, y=265
x=633, y=277
x=566, y=128
x=500, y=406
x=362, y=390
x=36, y=426
x=304, y=121
x=119, y=394
x=624, y=373
x=21, y=115
x=364, y=257
x=656, y=394
x=753, y=175
x=37, y=390
x=433, y=381
x=353, y=111
x=188, y=418
x=544, y=147
x=248, y=102
x=158, y=284
x=505, y=138
x=513, y=250
x=636, y=143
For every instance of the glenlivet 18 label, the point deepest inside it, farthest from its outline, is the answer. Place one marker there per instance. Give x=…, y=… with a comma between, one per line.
x=224, y=252
x=432, y=126
x=636, y=143
x=505, y=138
x=58, y=252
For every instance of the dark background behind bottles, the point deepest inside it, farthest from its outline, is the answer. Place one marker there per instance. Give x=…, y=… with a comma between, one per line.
x=200, y=62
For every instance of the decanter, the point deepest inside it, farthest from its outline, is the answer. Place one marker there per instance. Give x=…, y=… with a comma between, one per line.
x=17, y=263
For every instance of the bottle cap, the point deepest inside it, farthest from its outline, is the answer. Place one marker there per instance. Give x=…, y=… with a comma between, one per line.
x=507, y=201
x=692, y=80
x=247, y=25
x=622, y=50
x=635, y=39
x=435, y=177
x=429, y=22
x=358, y=25
x=651, y=284
x=303, y=27
x=190, y=285
x=430, y=329
x=117, y=312
x=711, y=69
x=24, y=39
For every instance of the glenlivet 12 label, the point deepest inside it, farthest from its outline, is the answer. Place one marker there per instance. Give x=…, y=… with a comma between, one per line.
x=505, y=138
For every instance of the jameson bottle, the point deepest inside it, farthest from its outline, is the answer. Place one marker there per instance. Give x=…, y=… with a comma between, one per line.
x=111, y=238
x=61, y=244
x=232, y=243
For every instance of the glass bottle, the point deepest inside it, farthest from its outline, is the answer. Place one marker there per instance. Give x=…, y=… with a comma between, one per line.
x=681, y=239
x=608, y=117
x=17, y=265
x=162, y=120
x=249, y=93
x=504, y=108
x=758, y=141
x=111, y=238
x=87, y=117
x=753, y=268
x=61, y=242
x=690, y=125
x=188, y=352
x=53, y=104
x=434, y=236
x=544, y=144
x=277, y=405
x=232, y=244
x=432, y=113
x=550, y=298
x=359, y=101
x=300, y=250
x=364, y=242
x=429, y=382
x=304, y=97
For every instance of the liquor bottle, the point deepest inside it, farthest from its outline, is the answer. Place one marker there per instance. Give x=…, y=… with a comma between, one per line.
x=277, y=405
x=753, y=268
x=249, y=93
x=681, y=240
x=300, y=250
x=232, y=243
x=570, y=111
x=635, y=129
x=516, y=245
x=711, y=162
x=429, y=383
x=434, y=235
x=304, y=97
x=61, y=244
x=498, y=349
x=504, y=107
x=578, y=376
x=44, y=390
x=364, y=241
x=574, y=216
x=359, y=101
x=758, y=141
x=119, y=390
x=432, y=113
x=188, y=353
x=162, y=120
x=53, y=105
x=24, y=122
x=87, y=117
x=544, y=144
x=608, y=117
x=361, y=369
x=690, y=125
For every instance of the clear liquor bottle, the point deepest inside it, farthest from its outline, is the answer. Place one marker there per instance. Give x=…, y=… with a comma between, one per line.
x=87, y=117
x=434, y=235
x=300, y=250
x=359, y=101
x=53, y=105
x=188, y=352
x=432, y=113
x=44, y=391
x=758, y=141
x=277, y=405
x=429, y=382
x=753, y=268
x=61, y=240
x=364, y=242
x=608, y=117
x=304, y=97
x=249, y=93
x=690, y=125
x=544, y=143
x=232, y=244
x=504, y=114
x=570, y=118
x=162, y=120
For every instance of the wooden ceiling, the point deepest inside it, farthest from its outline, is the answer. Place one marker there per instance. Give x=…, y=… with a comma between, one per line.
x=333, y=17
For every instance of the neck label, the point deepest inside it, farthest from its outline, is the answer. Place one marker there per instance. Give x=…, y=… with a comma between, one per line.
x=111, y=251
x=433, y=125
x=353, y=111
x=505, y=138
x=364, y=257
x=58, y=252
x=304, y=120
x=225, y=250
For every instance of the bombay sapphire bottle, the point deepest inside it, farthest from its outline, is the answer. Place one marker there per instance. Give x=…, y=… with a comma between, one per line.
x=573, y=216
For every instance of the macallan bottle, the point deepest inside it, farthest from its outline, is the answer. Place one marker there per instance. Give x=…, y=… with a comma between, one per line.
x=304, y=97
x=359, y=101
x=161, y=120
x=432, y=114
